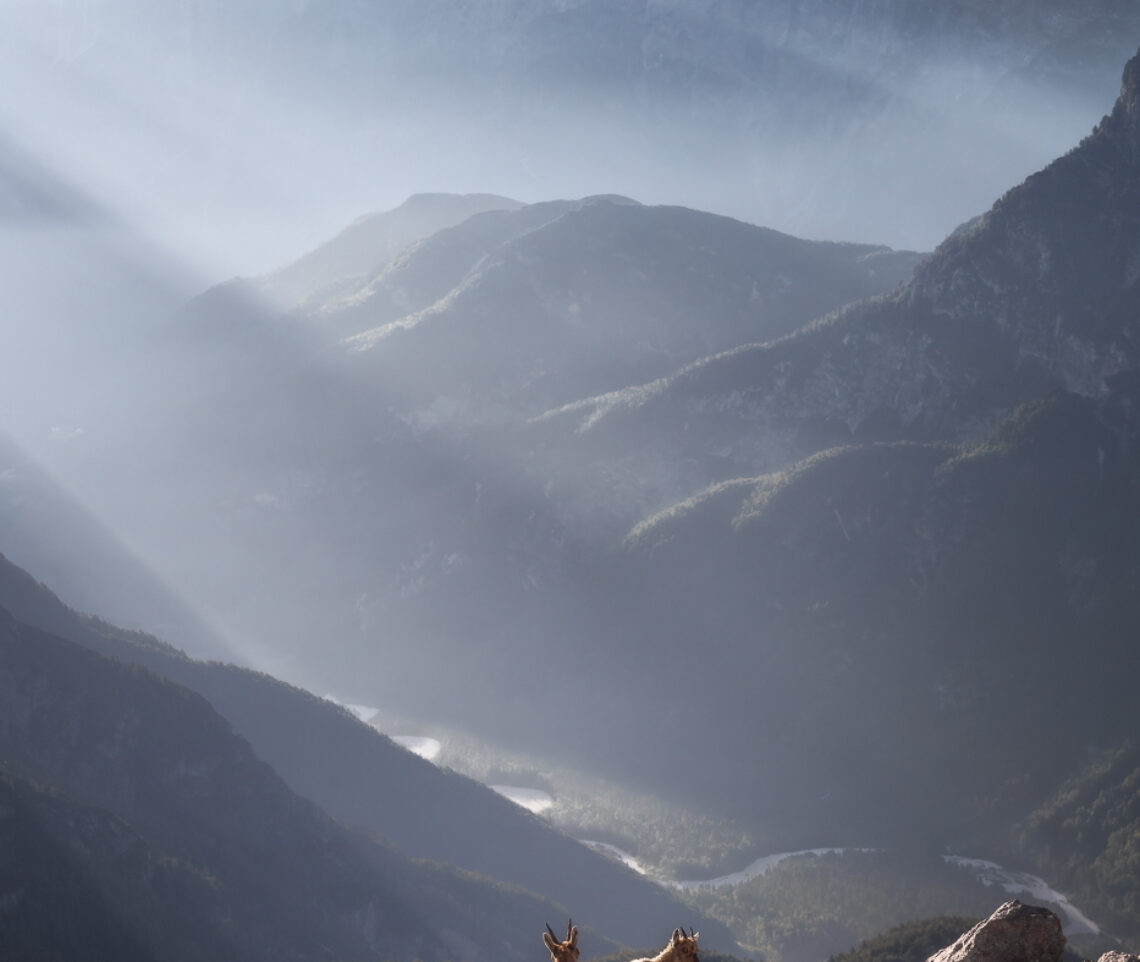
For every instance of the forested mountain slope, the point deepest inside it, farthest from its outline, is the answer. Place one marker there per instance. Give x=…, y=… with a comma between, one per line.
x=136, y=798
x=360, y=777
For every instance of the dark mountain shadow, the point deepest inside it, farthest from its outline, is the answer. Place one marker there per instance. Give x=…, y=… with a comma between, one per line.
x=58, y=856
x=194, y=846
x=872, y=610
x=360, y=777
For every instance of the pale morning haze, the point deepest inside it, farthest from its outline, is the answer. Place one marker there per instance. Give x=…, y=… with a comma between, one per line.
x=668, y=468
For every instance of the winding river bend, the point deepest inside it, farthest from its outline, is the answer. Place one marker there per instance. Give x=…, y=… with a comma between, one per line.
x=1014, y=884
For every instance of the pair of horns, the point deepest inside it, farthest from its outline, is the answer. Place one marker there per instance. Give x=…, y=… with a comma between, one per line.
x=691, y=934
x=569, y=932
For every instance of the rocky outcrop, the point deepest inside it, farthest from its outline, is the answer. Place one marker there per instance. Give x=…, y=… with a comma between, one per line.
x=1014, y=933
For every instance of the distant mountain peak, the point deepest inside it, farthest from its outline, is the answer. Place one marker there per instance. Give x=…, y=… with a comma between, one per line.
x=371, y=241
x=610, y=199
x=433, y=199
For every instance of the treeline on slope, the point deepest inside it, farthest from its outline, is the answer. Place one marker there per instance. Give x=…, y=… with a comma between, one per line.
x=910, y=942
x=1086, y=837
x=810, y=906
x=875, y=604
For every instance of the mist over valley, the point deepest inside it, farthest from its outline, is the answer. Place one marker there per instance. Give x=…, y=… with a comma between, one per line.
x=467, y=465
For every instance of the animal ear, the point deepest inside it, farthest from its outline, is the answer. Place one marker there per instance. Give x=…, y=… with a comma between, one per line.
x=676, y=936
x=574, y=936
x=550, y=943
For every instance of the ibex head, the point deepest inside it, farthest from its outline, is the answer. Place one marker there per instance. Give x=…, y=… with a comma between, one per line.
x=566, y=951
x=684, y=946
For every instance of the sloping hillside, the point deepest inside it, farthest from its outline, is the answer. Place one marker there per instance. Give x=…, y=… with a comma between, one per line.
x=192, y=845
x=363, y=779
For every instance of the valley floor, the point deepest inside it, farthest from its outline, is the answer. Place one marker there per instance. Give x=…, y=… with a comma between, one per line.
x=990, y=874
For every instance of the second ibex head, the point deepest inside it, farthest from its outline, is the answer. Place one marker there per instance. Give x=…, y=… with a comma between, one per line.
x=565, y=951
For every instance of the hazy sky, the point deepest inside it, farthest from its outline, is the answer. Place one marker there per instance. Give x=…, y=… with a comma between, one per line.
x=240, y=135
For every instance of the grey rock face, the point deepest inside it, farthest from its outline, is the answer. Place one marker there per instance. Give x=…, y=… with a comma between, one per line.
x=1014, y=933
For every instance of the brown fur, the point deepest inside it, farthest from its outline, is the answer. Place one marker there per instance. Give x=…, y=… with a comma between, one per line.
x=681, y=948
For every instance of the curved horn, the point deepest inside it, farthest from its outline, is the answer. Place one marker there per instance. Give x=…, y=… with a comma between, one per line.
x=569, y=928
x=551, y=931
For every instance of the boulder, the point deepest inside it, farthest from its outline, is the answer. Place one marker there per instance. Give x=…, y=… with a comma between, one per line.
x=1014, y=933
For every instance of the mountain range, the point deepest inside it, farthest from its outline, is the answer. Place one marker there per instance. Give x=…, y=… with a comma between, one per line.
x=833, y=539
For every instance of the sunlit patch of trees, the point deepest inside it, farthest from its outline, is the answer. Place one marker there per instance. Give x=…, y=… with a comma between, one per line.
x=1087, y=838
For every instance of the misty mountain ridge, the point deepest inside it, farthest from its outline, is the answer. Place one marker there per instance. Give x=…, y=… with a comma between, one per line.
x=930, y=566
x=598, y=292
x=1037, y=294
x=523, y=307
x=500, y=517
x=834, y=383
x=836, y=549
x=373, y=240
